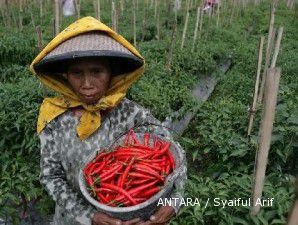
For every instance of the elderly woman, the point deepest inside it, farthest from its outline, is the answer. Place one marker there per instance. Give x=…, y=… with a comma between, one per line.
x=91, y=68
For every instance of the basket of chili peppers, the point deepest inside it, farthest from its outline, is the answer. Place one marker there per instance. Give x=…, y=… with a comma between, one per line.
x=128, y=179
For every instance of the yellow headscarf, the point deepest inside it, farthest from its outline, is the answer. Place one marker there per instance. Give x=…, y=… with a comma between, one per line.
x=90, y=120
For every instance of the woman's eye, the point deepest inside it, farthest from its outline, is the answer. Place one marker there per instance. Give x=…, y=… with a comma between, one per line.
x=76, y=73
x=97, y=71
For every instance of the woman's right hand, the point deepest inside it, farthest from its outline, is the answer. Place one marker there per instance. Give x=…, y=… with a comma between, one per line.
x=100, y=218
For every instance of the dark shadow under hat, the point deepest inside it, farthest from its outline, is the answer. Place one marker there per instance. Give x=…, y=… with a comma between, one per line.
x=89, y=45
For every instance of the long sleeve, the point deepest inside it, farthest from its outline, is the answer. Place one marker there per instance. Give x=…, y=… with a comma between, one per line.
x=144, y=116
x=53, y=178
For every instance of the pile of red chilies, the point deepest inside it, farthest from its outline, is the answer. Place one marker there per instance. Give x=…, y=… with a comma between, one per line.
x=131, y=173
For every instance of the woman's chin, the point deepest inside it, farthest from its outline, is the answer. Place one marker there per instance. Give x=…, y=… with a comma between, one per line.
x=90, y=101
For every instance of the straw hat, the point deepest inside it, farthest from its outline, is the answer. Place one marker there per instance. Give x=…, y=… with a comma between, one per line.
x=89, y=45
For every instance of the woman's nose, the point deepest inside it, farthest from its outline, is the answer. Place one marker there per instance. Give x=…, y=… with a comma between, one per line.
x=87, y=83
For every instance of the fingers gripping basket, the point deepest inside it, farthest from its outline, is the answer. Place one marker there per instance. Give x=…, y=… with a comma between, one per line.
x=145, y=209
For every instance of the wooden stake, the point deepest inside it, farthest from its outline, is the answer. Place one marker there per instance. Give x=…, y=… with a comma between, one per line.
x=217, y=20
x=184, y=30
x=293, y=215
x=277, y=47
x=270, y=98
x=113, y=16
x=78, y=8
x=39, y=37
x=7, y=13
x=255, y=95
x=173, y=39
x=134, y=24
x=57, y=25
x=20, y=14
x=267, y=62
x=98, y=9
x=155, y=8
x=158, y=23
x=196, y=28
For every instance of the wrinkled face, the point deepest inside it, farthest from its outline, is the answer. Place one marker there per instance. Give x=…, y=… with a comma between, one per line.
x=89, y=78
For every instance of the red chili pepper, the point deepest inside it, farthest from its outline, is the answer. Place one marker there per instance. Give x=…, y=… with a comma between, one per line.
x=140, y=175
x=100, y=166
x=125, y=173
x=120, y=190
x=148, y=170
x=136, y=190
x=109, y=174
x=146, y=139
x=150, y=192
x=141, y=181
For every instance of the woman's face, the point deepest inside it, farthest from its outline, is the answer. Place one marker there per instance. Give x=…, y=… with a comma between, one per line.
x=89, y=78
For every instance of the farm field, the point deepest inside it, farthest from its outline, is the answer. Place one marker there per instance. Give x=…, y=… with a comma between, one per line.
x=220, y=156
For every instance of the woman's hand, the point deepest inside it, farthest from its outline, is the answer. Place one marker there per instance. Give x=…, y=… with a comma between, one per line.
x=100, y=218
x=161, y=217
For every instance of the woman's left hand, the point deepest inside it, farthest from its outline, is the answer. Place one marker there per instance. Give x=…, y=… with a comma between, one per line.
x=162, y=216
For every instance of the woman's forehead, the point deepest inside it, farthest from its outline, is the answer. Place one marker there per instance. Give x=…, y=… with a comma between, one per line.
x=90, y=62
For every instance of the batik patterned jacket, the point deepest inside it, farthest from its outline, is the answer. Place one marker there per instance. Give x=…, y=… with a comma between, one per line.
x=63, y=154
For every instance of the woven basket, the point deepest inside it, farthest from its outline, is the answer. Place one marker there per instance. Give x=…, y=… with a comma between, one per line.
x=145, y=209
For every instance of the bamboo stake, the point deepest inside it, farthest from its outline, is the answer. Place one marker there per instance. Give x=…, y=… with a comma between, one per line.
x=98, y=9
x=134, y=24
x=277, y=47
x=173, y=39
x=270, y=98
x=217, y=20
x=40, y=8
x=293, y=217
x=78, y=8
x=254, y=103
x=57, y=25
x=39, y=37
x=267, y=62
x=184, y=30
x=7, y=13
x=196, y=28
x=155, y=8
x=113, y=16
x=20, y=14
x=60, y=14
x=158, y=23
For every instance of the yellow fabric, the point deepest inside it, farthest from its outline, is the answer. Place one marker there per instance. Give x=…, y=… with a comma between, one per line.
x=90, y=120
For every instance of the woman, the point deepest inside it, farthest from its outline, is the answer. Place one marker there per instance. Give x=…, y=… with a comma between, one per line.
x=91, y=68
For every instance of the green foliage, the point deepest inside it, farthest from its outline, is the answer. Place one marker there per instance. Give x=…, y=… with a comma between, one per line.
x=19, y=156
x=231, y=186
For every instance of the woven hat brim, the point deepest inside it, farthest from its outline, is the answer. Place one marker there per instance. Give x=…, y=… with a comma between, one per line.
x=120, y=62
